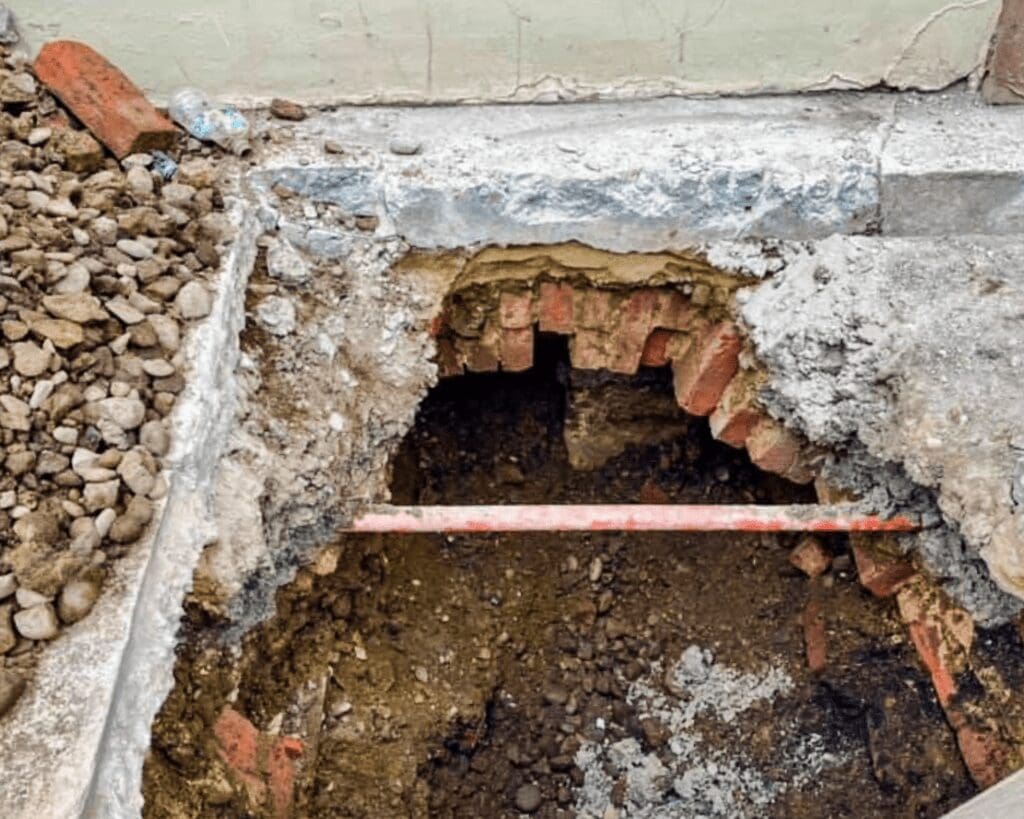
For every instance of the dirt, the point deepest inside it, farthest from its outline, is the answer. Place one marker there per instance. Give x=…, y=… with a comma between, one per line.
x=603, y=675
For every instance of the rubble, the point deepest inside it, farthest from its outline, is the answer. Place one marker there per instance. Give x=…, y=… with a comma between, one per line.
x=100, y=275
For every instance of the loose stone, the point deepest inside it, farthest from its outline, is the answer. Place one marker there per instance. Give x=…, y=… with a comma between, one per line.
x=37, y=623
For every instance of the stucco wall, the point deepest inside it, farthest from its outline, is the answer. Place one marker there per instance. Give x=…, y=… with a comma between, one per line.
x=445, y=50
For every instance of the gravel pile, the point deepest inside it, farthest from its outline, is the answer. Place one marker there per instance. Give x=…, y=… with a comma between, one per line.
x=103, y=266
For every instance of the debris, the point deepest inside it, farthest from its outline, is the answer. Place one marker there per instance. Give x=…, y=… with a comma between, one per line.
x=332, y=146
x=286, y=109
x=810, y=556
x=164, y=165
x=528, y=798
x=881, y=574
x=103, y=98
x=223, y=125
x=277, y=315
x=814, y=636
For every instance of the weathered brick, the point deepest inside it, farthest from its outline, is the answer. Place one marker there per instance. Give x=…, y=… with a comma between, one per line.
x=596, y=309
x=516, y=349
x=281, y=763
x=238, y=743
x=737, y=413
x=811, y=557
x=655, y=353
x=103, y=99
x=590, y=350
x=881, y=574
x=515, y=310
x=482, y=355
x=702, y=375
x=813, y=621
x=449, y=360
x=634, y=323
x=773, y=448
x=927, y=639
x=988, y=757
x=555, y=307
x=672, y=310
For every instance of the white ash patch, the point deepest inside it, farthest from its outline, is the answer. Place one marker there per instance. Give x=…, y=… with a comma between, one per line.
x=690, y=779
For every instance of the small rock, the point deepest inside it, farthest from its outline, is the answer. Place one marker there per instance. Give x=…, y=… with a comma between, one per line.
x=277, y=315
x=134, y=248
x=286, y=109
x=404, y=146
x=8, y=36
x=154, y=437
x=77, y=307
x=134, y=473
x=7, y=585
x=596, y=568
x=127, y=313
x=528, y=798
x=30, y=359
x=194, y=301
x=76, y=600
x=82, y=153
x=332, y=146
x=37, y=136
x=39, y=527
x=37, y=623
x=27, y=598
x=197, y=172
x=139, y=181
x=125, y=413
x=62, y=333
x=284, y=262
x=103, y=495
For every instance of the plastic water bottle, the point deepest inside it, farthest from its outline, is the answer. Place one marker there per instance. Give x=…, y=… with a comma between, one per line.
x=220, y=124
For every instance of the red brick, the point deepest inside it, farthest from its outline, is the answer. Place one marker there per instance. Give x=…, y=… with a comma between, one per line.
x=655, y=353
x=927, y=638
x=237, y=741
x=811, y=557
x=672, y=310
x=736, y=414
x=987, y=756
x=515, y=310
x=517, y=349
x=281, y=773
x=449, y=361
x=555, y=307
x=103, y=98
x=703, y=374
x=773, y=448
x=813, y=622
x=596, y=309
x=632, y=327
x=881, y=574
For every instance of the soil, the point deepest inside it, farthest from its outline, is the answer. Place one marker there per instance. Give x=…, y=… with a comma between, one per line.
x=564, y=675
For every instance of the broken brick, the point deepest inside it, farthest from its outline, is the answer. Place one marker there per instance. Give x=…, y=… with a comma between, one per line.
x=736, y=415
x=927, y=639
x=811, y=557
x=555, y=307
x=988, y=757
x=480, y=354
x=437, y=325
x=655, y=352
x=103, y=99
x=882, y=575
x=813, y=621
x=703, y=374
x=237, y=741
x=774, y=448
x=516, y=349
x=281, y=773
x=672, y=311
x=515, y=310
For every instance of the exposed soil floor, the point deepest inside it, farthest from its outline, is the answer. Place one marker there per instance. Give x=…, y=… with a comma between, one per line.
x=565, y=675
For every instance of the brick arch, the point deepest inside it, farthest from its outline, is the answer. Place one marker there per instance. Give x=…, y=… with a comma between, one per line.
x=491, y=328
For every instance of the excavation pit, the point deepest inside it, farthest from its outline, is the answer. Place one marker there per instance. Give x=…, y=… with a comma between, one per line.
x=563, y=674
